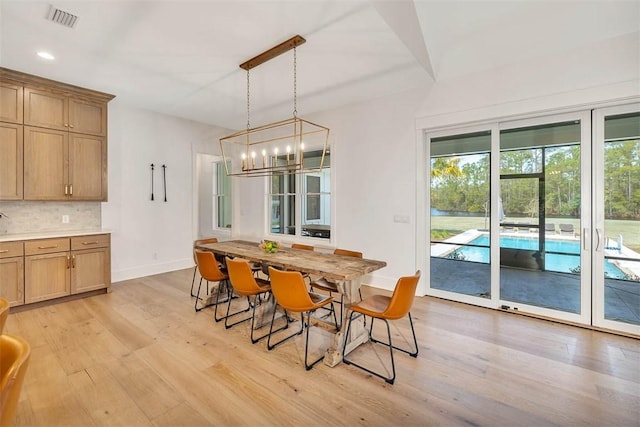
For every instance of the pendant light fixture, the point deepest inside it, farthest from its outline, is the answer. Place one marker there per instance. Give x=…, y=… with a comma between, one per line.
x=279, y=147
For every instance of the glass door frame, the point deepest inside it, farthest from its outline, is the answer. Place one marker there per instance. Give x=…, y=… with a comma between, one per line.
x=491, y=302
x=584, y=317
x=598, y=282
x=495, y=301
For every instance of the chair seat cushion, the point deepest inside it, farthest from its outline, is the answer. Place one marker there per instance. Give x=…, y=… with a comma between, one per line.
x=372, y=306
x=320, y=300
x=325, y=285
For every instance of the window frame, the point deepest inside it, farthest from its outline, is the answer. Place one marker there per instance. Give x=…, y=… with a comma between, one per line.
x=299, y=196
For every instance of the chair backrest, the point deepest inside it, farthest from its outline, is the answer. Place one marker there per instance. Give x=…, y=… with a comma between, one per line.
x=241, y=276
x=14, y=359
x=4, y=313
x=347, y=252
x=289, y=290
x=402, y=298
x=208, y=266
x=202, y=242
x=301, y=246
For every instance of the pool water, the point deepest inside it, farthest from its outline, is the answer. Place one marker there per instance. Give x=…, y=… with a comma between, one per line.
x=565, y=262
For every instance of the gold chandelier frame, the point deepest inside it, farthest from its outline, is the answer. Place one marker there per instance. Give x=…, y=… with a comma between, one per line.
x=279, y=147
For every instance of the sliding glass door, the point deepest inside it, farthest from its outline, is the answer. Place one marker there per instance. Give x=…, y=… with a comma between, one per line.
x=544, y=187
x=460, y=216
x=540, y=216
x=616, y=206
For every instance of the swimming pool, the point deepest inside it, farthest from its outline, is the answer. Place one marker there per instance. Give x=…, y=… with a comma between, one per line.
x=566, y=261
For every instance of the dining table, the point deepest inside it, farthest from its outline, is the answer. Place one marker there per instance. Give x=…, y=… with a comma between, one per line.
x=347, y=272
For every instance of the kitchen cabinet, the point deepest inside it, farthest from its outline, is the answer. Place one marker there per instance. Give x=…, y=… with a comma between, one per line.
x=90, y=263
x=12, y=273
x=58, y=110
x=63, y=143
x=47, y=269
x=66, y=266
x=11, y=161
x=64, y=166
x=11, y=102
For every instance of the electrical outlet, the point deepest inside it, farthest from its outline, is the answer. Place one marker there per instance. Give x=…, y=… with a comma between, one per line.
x=65, y=219
x=403, y=219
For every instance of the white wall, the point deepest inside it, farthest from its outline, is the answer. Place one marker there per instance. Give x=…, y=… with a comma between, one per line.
x=375, y=157
x=150, y=237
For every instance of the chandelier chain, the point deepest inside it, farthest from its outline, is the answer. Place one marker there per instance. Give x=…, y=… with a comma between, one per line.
x=248, y=104
x=295, y=82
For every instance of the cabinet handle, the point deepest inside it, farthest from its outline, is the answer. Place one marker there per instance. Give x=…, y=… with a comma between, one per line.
x=66, y=125
x=71, y=189
x=48, y=247
x=4, y=251
x=73, y=261
x=68, y=262
x=71, y=126
x=66, y=189
x=90, y=243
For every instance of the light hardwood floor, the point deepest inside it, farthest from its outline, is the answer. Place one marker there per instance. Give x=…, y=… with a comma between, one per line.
x=141, y=356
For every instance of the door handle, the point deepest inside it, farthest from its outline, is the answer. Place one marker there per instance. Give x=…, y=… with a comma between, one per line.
x=597, y=239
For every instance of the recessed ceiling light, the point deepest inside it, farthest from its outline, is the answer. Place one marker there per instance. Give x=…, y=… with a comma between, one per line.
x=46, y=55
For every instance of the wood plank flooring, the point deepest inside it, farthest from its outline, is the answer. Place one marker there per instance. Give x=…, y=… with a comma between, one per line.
x=141, y=356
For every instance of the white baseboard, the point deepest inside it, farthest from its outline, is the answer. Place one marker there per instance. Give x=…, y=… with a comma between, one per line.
x=150, y=269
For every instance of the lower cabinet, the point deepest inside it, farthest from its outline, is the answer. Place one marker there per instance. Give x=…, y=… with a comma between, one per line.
x=12, y=273
x=47, y=276
x=60, y=267
x=90, y=263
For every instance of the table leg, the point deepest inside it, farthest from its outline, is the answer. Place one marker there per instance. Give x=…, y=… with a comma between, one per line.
x=358, y=333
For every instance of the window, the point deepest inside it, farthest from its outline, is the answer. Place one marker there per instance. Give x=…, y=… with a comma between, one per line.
x=221, y=196
x=300, y=205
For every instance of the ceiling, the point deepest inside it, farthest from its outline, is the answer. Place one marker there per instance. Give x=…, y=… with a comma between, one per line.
x=182, y=57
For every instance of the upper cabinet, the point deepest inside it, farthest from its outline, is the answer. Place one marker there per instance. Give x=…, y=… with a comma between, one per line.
x=53, y=110
x=53, y=140
x=10, y=102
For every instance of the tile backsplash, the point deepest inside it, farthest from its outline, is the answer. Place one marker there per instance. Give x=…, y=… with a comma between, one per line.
x=31, y=217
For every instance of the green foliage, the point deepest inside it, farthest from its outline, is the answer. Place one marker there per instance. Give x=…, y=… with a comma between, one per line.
x=461, y=183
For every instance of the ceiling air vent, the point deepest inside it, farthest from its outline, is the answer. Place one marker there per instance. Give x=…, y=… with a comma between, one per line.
x=61, y=17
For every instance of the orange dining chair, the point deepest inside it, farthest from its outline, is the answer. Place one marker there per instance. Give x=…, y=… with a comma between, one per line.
x=397, y=306
x=247, y=285
x=14, y=360
x=4, y=313
x=290, y=292
x=195, y=269
x=331, y=286
x=210, y=271
x=303, y=247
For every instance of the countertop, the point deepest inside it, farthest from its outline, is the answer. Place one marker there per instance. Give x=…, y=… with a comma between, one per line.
x=50, y=234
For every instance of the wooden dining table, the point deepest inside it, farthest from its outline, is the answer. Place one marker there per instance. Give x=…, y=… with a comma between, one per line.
x=346, y=271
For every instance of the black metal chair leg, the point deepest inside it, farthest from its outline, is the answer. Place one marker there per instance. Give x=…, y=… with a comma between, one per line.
x=409, y=352
x=193, y=280
x=253, y=320
x=389, y=380
x=272, y=346
x=195, y=306
x=308, y=366
x=227, y=316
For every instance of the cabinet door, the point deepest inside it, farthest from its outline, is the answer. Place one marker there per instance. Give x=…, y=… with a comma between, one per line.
x=10, y=103
x=87, y=167
x=87, y=117
x=90, y=270
x=47, y=276
x=45, y=109
x=45, y=164
x=11, y=152
x=12, y=280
